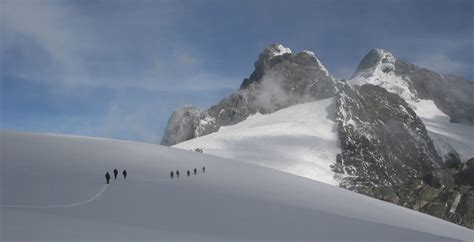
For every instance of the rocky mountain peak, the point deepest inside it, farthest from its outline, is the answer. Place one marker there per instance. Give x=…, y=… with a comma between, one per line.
x=278, y=58
x=451, y=94
x=377, y=57
x=281, y=78
x=275, y=50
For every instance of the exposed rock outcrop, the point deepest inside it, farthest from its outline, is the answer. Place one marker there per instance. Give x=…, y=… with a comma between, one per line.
x=446, y=194
x=382, y=139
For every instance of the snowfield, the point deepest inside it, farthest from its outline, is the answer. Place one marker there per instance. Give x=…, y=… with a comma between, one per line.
x=445, y=135
x=52, y=188
x=300, y=140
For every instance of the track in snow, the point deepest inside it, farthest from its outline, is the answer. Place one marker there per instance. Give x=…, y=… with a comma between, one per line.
x=91, y=199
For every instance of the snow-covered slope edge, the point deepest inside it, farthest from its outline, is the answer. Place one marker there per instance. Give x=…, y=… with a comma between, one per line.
x=232, y=200
x=300, y=140
x=448, y=137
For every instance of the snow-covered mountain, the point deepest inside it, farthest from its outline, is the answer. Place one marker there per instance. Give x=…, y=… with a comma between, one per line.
x=299, y=139
x=280, y=79
x=445, y=103
x=390, y=124
x=53, y=188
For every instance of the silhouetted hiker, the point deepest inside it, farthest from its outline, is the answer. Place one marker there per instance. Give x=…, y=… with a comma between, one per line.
x=124, y=173
x=107, y=177
x=203, y=169
x=115, y=174
x=177, y=173
x=171, y=174
x=195, y=171
x=189, y=173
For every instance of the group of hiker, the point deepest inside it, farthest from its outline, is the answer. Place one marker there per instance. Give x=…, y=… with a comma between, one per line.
x=107, y=175
x=172, y=174
x=188, y=172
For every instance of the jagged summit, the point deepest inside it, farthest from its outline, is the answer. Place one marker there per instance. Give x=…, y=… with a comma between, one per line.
x=374, y=58
x=378, y=68
x=276, y=50
x=278, y=56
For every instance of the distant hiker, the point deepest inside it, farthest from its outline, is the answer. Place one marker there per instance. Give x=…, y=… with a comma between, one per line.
x=189, y=173
x=203, y=169
x=115, y=174
x=171, y=174
x=195, y=171
x=177, y=174
x=124, y=173
x=107, y=177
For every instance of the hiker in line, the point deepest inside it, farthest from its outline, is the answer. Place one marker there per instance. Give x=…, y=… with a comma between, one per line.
x=124, y=173
x=189, y=173
x=115, y=174
x=177, y=174
x=195, y=171
x=107, y=177
x=203, y=169
x=171, y=174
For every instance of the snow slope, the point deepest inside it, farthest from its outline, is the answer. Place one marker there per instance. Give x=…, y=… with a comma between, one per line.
x=300, y=140
x=52, y=188
x=445, y=135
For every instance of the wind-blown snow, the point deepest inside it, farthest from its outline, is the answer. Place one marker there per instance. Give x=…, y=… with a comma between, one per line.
x=280, y=50
x=52, y=188
x=300, y=140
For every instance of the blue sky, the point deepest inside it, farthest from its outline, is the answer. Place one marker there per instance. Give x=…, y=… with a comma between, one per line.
x=118, y=69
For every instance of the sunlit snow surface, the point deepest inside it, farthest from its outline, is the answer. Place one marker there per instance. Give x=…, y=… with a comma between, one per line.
x=52, y=189
x=444, y=133
x=300, y=140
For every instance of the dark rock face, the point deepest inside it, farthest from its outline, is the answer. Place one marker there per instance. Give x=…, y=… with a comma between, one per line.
x=447, y=194
x=280, y=79
x=187, y=123
x=383, y=141
x=466, y=174
x=451, y=94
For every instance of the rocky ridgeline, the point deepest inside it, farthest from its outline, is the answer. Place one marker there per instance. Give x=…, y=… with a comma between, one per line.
x=386, y=150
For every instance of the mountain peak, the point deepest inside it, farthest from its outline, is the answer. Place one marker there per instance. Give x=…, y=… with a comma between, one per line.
x=378, y=68
x=376, y=57
x=276, y=50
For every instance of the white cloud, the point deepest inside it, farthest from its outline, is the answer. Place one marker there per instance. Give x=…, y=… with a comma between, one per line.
x=77, y=54
x=45, y=23
x=344, y=72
